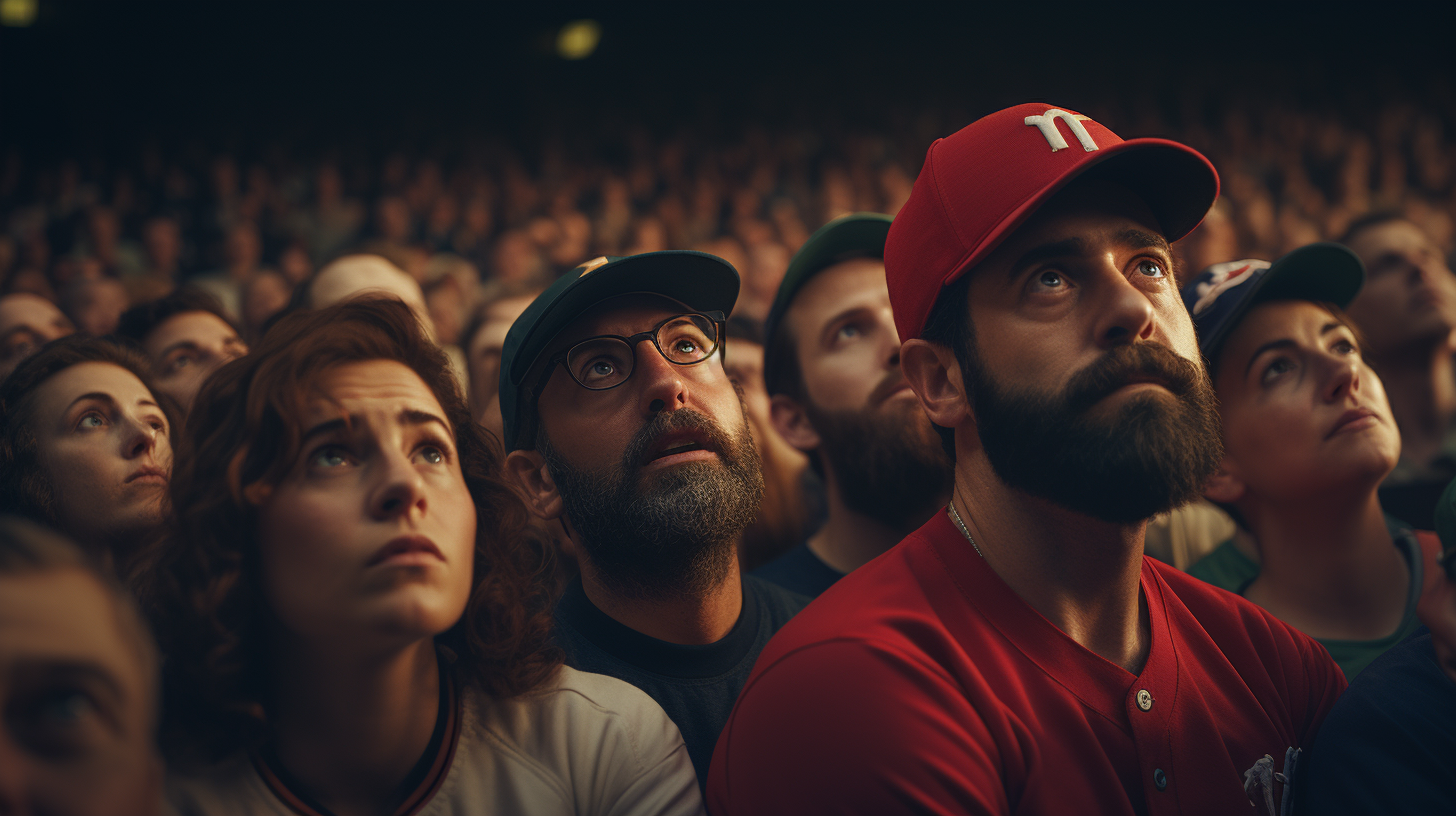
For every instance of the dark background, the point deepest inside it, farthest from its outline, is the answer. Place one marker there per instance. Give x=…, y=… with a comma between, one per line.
x=89, y=74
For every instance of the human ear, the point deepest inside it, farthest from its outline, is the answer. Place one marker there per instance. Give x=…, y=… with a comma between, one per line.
x=934, y=374
x=527, y=468
x=792, y=423
x=1224, y=487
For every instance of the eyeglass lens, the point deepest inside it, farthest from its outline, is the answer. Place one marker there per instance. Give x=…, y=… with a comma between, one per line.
x=603, y=362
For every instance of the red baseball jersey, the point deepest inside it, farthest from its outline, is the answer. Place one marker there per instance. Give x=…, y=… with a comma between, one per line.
x=922, y=683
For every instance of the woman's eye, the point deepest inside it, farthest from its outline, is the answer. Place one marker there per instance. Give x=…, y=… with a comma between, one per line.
x=432, y=454
x=1346, y=347
x=91, y=420
x=1149, y=268
x=848, y=331
x=686, y=346
x=1276, y=368
x=179, y=363
x=330, y=457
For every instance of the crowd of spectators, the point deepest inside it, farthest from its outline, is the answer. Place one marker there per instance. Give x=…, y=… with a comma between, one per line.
x=471, y=218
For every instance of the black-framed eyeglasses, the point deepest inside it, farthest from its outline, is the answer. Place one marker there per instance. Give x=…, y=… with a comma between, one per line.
x=606, y=361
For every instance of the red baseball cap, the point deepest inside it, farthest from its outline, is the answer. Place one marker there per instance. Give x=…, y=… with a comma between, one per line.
x=983, y=181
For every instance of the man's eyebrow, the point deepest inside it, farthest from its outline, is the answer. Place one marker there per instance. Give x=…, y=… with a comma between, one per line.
x=1037, y=254
x=1142, y=239
x=1269, y=346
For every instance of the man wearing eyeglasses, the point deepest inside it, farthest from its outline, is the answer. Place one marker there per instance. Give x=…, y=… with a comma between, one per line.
x=623, y=425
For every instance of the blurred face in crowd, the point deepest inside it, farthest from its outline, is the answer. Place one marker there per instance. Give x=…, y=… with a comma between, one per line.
x=1085, y=379
x=484, y=360
x=265, y=295
x=1302, y=412
x=658, y=475
x=97, y=304
x=77, y=699
x=370, y=276
x=859, y=412
x=103, y=445
x=185, y=348
x=28, y=322
x=1409, y=295
x=371, y=533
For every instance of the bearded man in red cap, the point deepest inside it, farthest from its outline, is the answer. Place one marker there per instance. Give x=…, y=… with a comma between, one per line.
x=1019, y=653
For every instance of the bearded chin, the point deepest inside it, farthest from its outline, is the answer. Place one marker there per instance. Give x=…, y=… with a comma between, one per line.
x=666, y=534
x=1151, y=454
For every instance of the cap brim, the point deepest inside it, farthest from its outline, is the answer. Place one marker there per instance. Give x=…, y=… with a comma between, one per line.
x=1177, y=183
x=1321, y=273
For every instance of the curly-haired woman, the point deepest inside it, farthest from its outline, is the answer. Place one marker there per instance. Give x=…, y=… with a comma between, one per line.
x=352, y=621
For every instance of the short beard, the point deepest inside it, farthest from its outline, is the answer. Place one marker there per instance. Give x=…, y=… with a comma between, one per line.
x=665, y=535
x=1147, y=457
x=888, y=463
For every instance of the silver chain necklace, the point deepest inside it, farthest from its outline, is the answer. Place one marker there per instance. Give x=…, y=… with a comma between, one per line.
x=956, y=517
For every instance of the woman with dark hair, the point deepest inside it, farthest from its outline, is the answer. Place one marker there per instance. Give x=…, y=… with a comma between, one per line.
x=354, y=623
x=85, y=446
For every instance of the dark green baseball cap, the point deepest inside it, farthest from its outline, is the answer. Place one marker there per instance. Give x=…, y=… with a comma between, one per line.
x=858, y=235
x=702, y=282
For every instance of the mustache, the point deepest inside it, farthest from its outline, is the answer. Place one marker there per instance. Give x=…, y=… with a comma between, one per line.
x=1138, y=362
x=715, y=438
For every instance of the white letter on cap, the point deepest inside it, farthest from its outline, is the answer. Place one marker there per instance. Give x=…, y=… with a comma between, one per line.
x=1047, y=124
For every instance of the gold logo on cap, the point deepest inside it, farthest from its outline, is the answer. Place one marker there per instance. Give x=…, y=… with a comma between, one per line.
x=588, y=267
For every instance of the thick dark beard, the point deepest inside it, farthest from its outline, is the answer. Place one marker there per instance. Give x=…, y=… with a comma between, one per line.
x=669, y=534
x=1152, y=454
x=887, y=464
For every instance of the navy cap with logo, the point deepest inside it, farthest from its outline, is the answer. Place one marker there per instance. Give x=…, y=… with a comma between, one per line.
x=702, y=282
x=1220, y=296
x=858, y=235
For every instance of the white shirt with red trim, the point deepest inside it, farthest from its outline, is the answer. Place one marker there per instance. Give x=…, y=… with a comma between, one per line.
x=589, y=744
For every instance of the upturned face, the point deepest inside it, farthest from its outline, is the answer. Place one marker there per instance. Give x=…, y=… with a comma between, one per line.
x=370, y=537
x=78, y=700
x=186, y=348
x=103, y=444
x=28, y=322
x=1302, y=412
x=1409, y=293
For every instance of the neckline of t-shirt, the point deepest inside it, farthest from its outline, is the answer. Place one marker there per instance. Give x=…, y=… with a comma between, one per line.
x=676, y=660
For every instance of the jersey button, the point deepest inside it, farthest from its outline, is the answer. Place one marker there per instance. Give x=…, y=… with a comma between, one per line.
x=1160, y=779
x=1144, y=700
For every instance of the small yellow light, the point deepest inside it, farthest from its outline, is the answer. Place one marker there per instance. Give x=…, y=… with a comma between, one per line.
x=17, y=13
x=576, y=40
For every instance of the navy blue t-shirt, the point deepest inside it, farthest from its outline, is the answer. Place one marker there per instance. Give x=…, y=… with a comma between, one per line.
x=1389, y=743
x=695, y=685
x=800, y=570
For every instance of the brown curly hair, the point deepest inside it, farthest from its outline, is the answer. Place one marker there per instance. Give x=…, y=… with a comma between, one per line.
x=205, y=590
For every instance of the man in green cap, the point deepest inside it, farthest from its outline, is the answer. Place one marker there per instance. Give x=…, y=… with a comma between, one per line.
x=832, y=368
x=624, y=428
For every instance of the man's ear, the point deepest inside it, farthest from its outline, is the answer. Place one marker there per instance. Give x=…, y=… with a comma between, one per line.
x=935, y=375
x=792, y=423
x=1224, y=486
x=527, y=469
